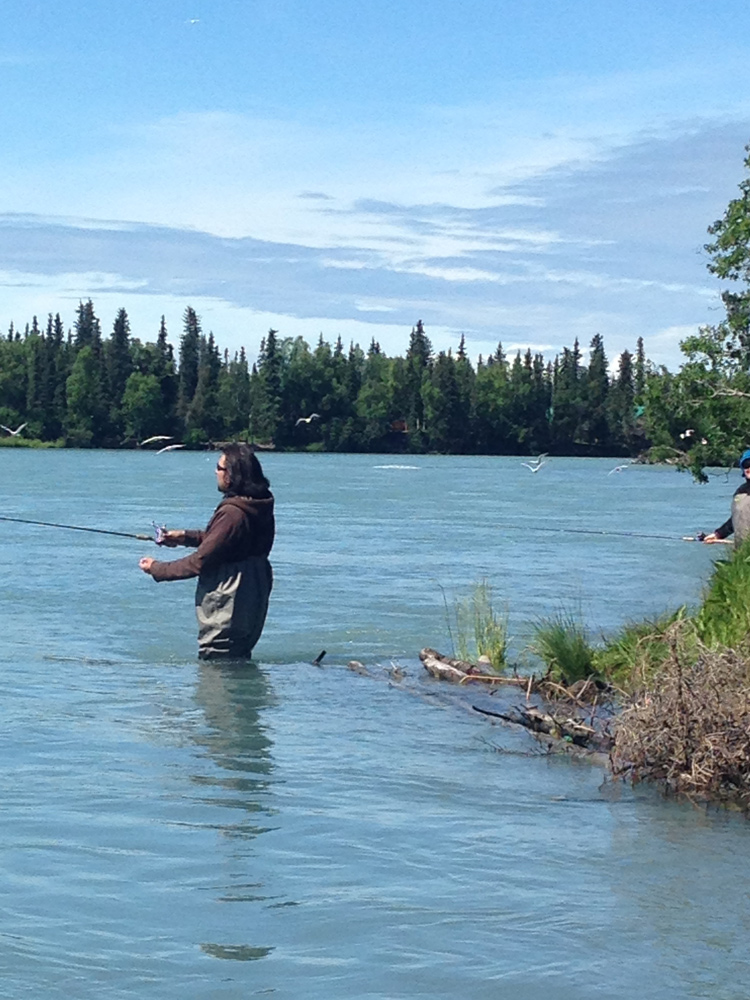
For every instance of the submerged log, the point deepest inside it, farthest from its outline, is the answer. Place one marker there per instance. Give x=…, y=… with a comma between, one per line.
x=443, y=668
x=543, y=723
x=357, y=667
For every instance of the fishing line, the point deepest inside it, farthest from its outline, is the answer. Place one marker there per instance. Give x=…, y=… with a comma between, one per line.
x=76, y=527
x=622, y=534
x=159, y=531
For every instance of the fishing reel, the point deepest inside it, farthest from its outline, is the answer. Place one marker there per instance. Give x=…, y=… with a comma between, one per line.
x=160, y=531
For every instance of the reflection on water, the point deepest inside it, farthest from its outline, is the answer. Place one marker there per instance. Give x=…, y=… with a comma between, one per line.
x=232, y=697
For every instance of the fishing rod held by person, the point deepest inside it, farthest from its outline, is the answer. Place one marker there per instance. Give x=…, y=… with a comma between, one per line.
x=99, y=531
x=698, y=537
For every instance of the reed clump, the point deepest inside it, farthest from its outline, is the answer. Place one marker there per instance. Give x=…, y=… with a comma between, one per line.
x=478, y=630
x=689, y=730
x=562, y=644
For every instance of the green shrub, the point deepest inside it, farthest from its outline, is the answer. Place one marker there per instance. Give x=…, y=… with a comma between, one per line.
x=562, y=644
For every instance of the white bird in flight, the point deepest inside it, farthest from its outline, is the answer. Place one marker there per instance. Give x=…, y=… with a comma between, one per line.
x=535, y=464
x=170, y=447
x=619, y=468
x=14, y=433
x=156, y=437
x=306, y=420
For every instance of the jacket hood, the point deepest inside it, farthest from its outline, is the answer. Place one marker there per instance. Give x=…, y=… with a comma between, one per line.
x=252, y=505
x=744, y=458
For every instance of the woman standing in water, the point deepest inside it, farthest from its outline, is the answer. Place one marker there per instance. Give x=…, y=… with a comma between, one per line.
x=230, y=559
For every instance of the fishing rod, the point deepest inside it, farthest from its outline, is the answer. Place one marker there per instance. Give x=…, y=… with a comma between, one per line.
x=699, y=537
x=77, y=527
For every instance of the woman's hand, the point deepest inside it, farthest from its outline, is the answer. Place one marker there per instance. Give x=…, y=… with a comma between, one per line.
x=146, y=563
x=710, y=539
x=172, y=538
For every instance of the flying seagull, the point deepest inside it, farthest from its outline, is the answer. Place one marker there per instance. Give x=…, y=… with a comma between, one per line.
x=619, y=468
x=156, y=437
x=14, y=433
x=170, y=447
x=306, y=420
x=535, y=464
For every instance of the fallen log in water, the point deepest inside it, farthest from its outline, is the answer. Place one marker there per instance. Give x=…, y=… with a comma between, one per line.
x=562, y=730
x=460, y=671
x=569, y=730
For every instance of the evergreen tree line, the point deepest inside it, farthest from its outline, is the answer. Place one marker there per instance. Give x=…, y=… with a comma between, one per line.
x=83, y=390
x=89, y=391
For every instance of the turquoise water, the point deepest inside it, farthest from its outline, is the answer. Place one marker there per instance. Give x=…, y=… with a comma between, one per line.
x=172, y=829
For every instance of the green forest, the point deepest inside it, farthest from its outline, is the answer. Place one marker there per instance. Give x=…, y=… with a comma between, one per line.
x=80, y=388
x=90, y=391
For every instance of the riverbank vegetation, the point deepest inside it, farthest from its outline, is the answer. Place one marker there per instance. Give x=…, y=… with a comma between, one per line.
x=675, y=690
x=689, y=731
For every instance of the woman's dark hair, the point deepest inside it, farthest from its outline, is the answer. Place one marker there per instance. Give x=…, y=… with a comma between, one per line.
x=246, y=477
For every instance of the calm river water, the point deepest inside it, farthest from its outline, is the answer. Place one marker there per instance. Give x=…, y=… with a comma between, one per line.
x=177, y=830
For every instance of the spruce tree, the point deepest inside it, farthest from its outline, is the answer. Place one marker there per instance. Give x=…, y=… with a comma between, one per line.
x=166, y=373
x=443, y=418
x=119, y=367
x=203, y=421
x=188, y=366
x=418, y=363
x=595, y=417
x=88, y=329
x=266, y=391
x=622, y=404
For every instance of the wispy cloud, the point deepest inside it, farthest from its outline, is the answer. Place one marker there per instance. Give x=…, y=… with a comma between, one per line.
x=573, y=238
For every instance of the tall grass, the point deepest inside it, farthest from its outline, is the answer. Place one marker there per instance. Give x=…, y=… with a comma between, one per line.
x=724, y=616
x=562, y=644
x=477, y=629
x=632, y=658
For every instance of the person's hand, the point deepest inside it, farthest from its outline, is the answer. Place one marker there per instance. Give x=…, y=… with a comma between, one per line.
x=172, y=538
x=710, y=539
x=146, y=563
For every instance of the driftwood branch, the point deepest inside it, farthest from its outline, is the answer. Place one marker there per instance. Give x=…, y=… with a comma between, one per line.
x=461, y=672
x=570, y=730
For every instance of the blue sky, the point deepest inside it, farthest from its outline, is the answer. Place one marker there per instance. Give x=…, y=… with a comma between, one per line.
x=518, y=170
